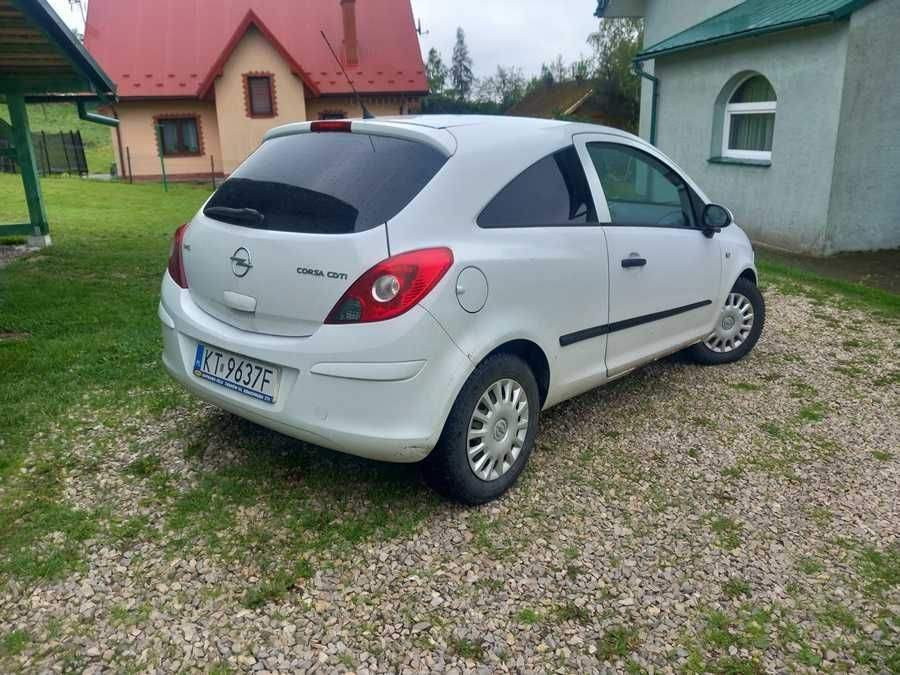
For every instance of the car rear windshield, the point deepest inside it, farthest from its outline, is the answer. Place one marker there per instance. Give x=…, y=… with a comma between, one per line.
x=325, y=183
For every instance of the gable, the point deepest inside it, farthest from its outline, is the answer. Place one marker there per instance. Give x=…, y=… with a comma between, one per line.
x=251, y=22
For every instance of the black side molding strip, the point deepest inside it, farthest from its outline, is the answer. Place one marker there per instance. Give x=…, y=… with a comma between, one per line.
x=606, y=329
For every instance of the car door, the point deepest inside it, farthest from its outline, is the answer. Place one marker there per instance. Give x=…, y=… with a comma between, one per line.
x=664, y=271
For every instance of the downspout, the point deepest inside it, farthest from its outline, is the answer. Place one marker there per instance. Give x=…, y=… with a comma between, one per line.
x=654, y=100
x=94, y=117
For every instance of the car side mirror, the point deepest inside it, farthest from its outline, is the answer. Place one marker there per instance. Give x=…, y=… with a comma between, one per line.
x=715, y=217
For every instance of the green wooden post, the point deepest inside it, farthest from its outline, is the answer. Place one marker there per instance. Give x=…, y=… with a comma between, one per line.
x=162, y=159
x=21, y=132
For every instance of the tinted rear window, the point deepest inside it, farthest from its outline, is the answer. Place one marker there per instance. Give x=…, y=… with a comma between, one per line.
x=327, y=182
x=553, y=191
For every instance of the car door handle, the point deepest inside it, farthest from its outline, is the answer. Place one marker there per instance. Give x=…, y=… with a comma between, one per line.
x=634, y=262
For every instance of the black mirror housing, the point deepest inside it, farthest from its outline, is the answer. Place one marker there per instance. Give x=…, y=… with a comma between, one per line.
x=715, y=217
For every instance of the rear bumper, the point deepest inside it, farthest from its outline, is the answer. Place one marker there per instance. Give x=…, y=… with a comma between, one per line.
x=380, y=390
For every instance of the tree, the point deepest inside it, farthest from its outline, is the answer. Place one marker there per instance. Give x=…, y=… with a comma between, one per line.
x=583, y=68
x=461, y=75
x=436, y=72
x=558, y=68
x=506, y=87
x=615, y=44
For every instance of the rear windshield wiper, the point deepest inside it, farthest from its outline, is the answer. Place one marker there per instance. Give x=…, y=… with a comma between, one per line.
x=249, y=216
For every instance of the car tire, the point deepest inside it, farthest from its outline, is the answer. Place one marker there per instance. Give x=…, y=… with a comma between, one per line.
x=724, y=344
x=451, y=467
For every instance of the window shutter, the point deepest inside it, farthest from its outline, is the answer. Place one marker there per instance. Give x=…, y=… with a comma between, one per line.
x=260, y=95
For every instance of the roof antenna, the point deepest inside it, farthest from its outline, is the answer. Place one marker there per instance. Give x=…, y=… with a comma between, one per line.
x=366, y=114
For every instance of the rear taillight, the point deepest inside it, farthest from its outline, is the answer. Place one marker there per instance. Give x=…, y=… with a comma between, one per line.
x=332, y=125
x=392, y=287
x=176, y=259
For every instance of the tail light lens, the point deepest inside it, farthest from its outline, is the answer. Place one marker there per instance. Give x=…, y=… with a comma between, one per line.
x=176, y=259
x=392, y=287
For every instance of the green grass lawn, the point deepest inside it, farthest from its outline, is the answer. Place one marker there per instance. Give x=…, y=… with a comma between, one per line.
x=88, y=302
x=55, y=117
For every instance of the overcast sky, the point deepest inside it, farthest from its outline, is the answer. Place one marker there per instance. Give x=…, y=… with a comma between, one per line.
x=522, y=33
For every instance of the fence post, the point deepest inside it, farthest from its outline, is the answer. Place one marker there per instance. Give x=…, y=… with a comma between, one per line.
x=128, y=153
x=212, y=170
x=62, y=138
x=48, y=168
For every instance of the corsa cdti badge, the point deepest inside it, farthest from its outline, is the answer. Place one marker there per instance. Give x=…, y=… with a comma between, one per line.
x=240, y=262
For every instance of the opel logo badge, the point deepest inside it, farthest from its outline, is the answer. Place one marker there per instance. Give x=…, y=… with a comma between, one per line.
x=240, y=262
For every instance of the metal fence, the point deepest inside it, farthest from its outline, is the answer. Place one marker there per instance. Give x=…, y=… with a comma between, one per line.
x=56, y=153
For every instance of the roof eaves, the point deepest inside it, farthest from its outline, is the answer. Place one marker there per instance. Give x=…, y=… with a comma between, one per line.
x=43, y=15
x=251, y=19
x=838, y=14
x=652, y=52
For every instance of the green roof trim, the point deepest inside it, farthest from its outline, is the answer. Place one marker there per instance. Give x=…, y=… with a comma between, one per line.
x=753, y=18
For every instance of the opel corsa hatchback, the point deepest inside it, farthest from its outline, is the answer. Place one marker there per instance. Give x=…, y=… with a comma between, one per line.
x=418, y=289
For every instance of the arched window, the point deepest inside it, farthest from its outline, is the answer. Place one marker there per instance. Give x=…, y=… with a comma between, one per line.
x=750, y=120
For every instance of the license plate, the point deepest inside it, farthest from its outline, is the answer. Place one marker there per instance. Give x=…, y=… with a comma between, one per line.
x=238, y=373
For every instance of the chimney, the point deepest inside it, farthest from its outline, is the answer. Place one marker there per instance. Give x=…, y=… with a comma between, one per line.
x=351, y=44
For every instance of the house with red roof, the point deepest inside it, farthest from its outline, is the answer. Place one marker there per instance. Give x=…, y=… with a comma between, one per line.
x=201, y=81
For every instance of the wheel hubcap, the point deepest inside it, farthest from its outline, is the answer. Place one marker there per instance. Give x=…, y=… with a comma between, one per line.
x=734, y=325
x=497, y=429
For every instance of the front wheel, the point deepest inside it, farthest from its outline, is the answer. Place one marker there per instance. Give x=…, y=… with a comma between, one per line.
x=489, y=434
x=738, y=327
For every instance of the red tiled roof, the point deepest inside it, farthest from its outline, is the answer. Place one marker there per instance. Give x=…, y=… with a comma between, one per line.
x=172, y=48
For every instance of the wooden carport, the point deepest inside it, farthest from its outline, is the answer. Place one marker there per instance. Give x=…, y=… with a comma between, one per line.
x=41, y=60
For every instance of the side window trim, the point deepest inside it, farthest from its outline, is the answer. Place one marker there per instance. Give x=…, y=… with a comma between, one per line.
x=695, y=196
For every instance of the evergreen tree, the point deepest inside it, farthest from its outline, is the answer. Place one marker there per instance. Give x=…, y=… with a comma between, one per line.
x=461, y=75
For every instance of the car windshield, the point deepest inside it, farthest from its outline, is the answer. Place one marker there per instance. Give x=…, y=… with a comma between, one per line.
x=325, y=183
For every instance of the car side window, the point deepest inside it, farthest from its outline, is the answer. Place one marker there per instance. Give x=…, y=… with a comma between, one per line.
x=640, y=189
x=552, y=192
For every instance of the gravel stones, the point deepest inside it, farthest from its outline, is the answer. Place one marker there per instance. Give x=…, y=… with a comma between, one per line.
x=681, y=518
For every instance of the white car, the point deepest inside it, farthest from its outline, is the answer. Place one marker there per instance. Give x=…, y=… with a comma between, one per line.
x=418, y=289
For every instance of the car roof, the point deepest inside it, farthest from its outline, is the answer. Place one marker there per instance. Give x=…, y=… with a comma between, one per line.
x=473, y=131
x=500, y=122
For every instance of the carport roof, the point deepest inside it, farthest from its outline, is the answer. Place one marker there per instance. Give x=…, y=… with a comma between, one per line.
x=754, y=17
x=39, y=54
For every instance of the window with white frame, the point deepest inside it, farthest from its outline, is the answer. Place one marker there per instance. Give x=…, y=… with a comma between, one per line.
x=750, y=120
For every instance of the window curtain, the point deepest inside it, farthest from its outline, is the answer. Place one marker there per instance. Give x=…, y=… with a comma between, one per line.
x=189, y=130
x=752, y=132
x=169, y=132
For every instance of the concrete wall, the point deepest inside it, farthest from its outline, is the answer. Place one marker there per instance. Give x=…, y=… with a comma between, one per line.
x=241, y=133
x=786, y=204
x=663, y=19
x=136, y=127
x=865, y=193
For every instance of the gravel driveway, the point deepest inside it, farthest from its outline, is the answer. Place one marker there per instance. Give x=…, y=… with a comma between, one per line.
x=685, y=519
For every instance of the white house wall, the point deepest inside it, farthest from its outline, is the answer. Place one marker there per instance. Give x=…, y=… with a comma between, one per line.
x=865, y=193
x=785, y=204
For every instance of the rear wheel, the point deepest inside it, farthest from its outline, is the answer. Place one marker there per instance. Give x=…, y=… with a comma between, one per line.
x=489, y=434
x=738, y=327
